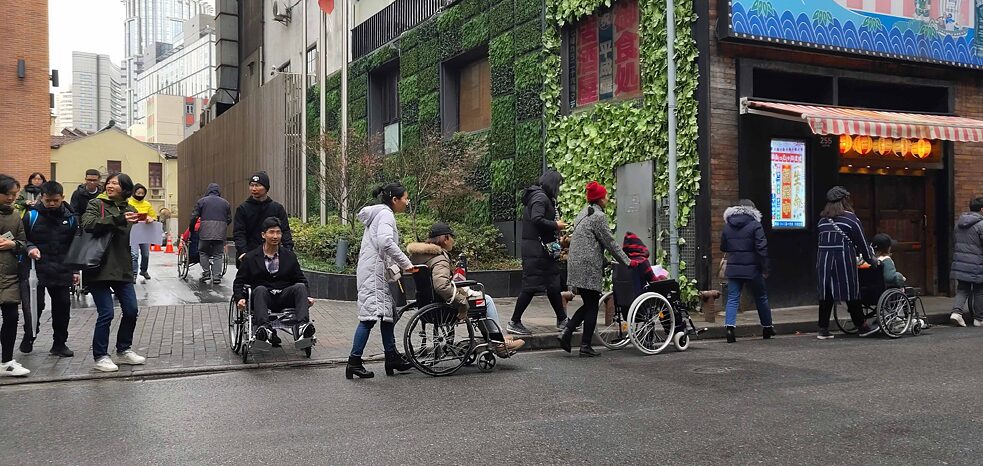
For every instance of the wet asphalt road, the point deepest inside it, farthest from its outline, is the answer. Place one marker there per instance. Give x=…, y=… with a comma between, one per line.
x=915, y=400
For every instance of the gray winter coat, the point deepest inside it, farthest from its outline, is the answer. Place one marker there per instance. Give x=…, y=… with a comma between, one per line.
x=591, y=236
x=215, y=214
x=380, y=250
x=967, y=259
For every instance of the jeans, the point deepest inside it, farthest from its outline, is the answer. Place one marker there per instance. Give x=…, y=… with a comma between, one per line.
x=143, y=251
x=293, y=296
x=61, y=306
x=102, y=295
x=760, y=292
x=586, y=314
x=491, y=313
x=8, y=331
x=969, y=296
x=212, y=255
x=525, y=297
x=362, y=337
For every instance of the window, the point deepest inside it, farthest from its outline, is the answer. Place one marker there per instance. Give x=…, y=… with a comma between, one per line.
x=384, y=104
x=474, y=106
x=284, y=68
x=601, y=56
x=54, y=171
x=113, y=167
x=312, y=73
x=155, y=174
x=189, y=109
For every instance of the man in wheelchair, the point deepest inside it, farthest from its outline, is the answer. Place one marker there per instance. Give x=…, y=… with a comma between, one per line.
x=277, y=283
x=434, y=253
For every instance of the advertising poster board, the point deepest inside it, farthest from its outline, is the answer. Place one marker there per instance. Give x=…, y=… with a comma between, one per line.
x=788, y=184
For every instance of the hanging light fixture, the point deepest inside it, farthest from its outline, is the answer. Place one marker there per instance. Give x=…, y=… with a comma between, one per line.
x=884, y=146
x=863, y=144
x=846, y=142
x=922, y=148
x=902, y=147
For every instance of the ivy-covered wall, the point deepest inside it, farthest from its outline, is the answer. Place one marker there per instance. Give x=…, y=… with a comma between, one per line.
x=512, y=31
x=585, y=145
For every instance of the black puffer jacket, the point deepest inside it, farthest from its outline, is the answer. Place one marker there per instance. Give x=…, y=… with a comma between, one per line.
x=743, y=239
x=967, y=259
x=249, y=220
x=80, y=199
x=52, y=233
x=539, y=227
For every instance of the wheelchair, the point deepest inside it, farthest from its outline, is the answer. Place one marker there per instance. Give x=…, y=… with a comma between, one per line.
x=898, y=310
x=187, y=254
x=650, y=316
x=242, y=335
x=437, y=342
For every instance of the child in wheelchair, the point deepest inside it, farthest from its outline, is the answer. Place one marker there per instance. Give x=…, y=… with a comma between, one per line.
x=882, y=244
x=657, y=280
x=434, y=253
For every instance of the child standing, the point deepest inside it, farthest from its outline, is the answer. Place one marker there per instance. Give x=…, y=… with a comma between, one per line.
x=882, y=244
x=13, y=243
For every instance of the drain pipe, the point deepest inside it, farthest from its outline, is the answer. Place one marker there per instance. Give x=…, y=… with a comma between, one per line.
x=673, y=198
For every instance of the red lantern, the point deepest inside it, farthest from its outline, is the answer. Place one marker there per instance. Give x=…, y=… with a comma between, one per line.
x=846, y=142
x=884, y=146
x=922, y=148
x=902, y=147
x=863, y=144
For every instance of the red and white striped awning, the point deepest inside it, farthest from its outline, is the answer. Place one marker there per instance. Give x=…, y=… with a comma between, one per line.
x=854, y=121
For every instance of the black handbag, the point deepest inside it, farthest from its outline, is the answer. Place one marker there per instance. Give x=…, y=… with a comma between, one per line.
x=88, y=250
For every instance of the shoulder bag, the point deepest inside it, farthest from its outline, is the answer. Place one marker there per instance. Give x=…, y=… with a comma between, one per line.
x=861, y=263
x=88, y=251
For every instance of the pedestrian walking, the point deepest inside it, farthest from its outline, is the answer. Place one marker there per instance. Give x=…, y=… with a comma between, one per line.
x=541, y=229
x=842, y=249
x=31, y=193
x=111, y=214
x=215, y=215
x=380, y=263
x=50, y=226
x=247, y=226
x=13, y=243
x=86, y=192
x=140, y=253
x=744, y=243
x=586, y=264
x=967, y=265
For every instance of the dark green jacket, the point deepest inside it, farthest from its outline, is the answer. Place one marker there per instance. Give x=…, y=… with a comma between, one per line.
x=103, y=216
x=10, y=221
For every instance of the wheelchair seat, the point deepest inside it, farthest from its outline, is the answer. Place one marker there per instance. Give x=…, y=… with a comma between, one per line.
x=627, y=285
x=871, y=284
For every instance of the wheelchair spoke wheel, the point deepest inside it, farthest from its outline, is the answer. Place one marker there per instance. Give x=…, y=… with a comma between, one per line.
x=652, y=323
x=614, y=335
x=843, y=322
x=436, y=342
x=894, y=313
x=235, y=327
x=182, y=263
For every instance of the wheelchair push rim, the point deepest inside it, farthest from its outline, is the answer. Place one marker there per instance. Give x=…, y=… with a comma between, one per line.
x=436, y=342
x=652, y=323
x=613, y=336
x=894, y=313
x=235, y=327
x=182, y=261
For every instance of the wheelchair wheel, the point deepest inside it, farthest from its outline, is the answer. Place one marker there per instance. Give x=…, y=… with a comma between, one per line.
x=844, y=323
x=436, y=342
x=614, y=335
x=894, y=313
x=183, y=263
x=225, y=263
x=652, y=323
x=235, y=327
x=681, y=341
x=486, y=361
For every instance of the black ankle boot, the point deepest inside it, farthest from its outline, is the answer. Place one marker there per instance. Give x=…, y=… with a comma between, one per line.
x=396, y=362
x=588, y=352
x=355, y=368
x=27, y=344
x=767, y=332
x=565, y=336
x=731, y=338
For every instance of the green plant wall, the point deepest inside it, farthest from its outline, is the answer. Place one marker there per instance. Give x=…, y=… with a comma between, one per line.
x=587, y=144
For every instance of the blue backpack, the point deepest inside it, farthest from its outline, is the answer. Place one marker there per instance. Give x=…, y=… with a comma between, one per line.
x=32, y=218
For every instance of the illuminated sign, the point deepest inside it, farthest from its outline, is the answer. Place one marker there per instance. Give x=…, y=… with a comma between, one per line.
x=788, y=184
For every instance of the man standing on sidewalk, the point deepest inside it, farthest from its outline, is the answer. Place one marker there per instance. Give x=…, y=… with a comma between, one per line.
x=248, y=227
x=86, y=192
x=51, y=226
x=215, y=215
x=967, y=265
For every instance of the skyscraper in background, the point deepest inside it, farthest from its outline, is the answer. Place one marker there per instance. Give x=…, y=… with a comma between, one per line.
x=152, y=29
x=97, y=92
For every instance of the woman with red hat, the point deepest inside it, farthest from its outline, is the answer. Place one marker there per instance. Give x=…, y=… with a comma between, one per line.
x=585, y=266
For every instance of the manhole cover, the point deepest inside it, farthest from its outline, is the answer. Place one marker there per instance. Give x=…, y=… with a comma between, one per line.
x=714, y=370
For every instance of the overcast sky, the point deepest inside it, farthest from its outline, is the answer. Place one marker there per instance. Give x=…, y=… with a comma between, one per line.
x=86, y=26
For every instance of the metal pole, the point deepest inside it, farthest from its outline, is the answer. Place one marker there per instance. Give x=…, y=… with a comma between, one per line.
x=303, y=118
x=322, y=67
x=344, y=113
x=673, y=199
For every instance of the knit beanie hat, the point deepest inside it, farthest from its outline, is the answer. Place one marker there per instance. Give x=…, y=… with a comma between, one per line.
x=595, y=192
x=261, y=178
x=634, y=247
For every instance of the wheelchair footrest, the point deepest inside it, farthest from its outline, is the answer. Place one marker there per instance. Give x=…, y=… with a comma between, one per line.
x=305, y=343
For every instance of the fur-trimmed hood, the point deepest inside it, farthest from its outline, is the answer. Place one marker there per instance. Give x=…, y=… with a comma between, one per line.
x=740, y=215
x=424, y=249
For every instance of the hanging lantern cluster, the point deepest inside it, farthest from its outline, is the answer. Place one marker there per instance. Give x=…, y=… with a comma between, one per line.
x=863, y=145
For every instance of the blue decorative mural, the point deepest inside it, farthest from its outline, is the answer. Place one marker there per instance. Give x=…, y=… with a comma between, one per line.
x=936, y=31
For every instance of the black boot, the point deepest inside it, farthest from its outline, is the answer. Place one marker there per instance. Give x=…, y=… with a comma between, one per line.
x=61, y=350
x=27, y=344
x=767, y=332
x=565, y=336
x=588, y=352
x=731, y=338
x=396, y=362
x=355, y=368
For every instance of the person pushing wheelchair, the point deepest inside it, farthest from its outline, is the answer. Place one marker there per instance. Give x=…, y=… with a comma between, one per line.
x=277, y=283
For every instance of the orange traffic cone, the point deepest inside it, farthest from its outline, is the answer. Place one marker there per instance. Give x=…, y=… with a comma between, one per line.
x=155, y=247
x=170, y=246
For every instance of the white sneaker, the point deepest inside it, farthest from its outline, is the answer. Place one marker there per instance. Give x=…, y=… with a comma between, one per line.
x=977, y=322
x=957, y=319
x=106, y=364
x=13, y=369
x=131, y=357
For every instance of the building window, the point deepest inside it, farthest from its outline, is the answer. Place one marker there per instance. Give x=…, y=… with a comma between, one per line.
x=601, y=56
x=312, y=73
x=284, y=68
x=384, y=105
x=113, y=167
x=474, y=96
x=189, y=109
x=54, y=171
x=155, y=174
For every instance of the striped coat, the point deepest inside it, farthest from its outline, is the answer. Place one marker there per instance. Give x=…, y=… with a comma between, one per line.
x=836, y=262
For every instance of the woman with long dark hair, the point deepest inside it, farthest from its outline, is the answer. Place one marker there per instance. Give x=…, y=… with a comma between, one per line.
x=841, y=242
x=31, y=193
x=380, y=262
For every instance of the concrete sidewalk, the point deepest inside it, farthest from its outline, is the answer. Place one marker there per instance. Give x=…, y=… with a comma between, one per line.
x=183, y=328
